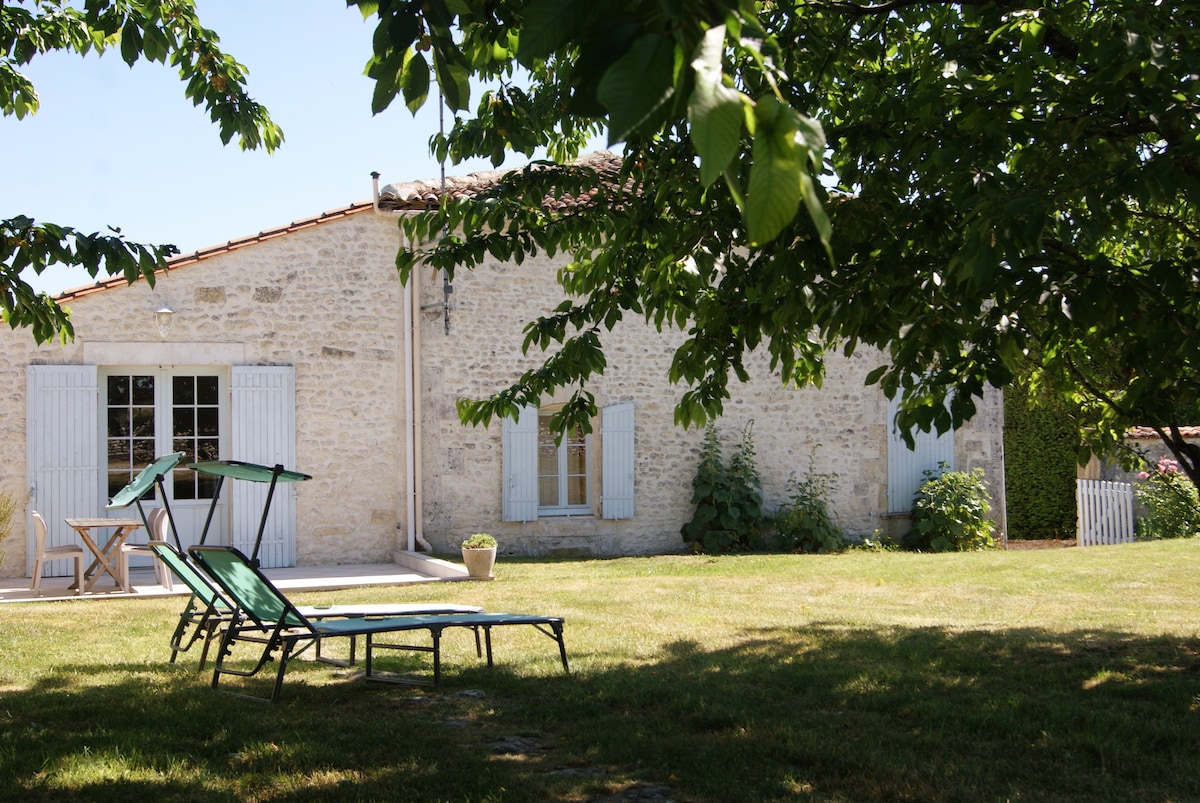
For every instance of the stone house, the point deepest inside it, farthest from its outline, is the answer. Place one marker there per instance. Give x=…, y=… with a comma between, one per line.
x=299, y=346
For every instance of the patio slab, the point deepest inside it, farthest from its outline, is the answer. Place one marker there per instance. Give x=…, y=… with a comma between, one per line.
x=411, y=568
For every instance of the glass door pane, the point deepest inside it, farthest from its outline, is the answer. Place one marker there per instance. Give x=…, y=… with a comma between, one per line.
x=130, y=437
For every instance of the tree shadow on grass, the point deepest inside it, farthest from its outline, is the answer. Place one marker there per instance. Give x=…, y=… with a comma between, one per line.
x=822, y=712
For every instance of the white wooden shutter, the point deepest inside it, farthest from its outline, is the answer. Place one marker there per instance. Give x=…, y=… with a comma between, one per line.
x=519, y=445
x=616, y=427
x=263, y=409
x=907, y=467
x=62, y=448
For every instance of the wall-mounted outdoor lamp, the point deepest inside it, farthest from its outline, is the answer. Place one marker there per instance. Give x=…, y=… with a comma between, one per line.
x=164, y=318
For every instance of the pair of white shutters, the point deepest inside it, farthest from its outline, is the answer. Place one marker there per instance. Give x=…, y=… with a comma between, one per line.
x=519, y=448
x=64, y=465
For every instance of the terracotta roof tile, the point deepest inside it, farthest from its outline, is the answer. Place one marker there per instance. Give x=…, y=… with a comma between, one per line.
x=410, y=196
x=415, y=196
x=232, y=245
x=1146, y=433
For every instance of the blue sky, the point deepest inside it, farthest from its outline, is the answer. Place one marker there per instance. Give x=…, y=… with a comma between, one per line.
x=115, y=146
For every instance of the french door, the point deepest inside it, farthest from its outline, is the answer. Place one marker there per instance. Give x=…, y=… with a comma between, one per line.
x=149, y=412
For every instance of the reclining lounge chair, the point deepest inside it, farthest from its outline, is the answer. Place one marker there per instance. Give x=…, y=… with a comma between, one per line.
x=266, y=617
x=207, y=610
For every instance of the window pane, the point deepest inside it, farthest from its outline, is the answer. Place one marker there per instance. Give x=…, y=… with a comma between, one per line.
x=562, y=468
x=207, y=450
x=548, y=491
x=577, y=491
x=576, y=460
x=118, y=422
x=143, y=390
x=206, y=485
x=183, y=484
x=183, y=390
x=142, y=422
x=183, y=422
x=129, y=419
x=547, y=460
x=207, y=421
x=118, y=454
x=118, y=390
x=207, y=390
x=143, y=453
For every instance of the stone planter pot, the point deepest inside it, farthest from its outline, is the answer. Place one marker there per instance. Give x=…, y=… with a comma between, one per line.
x=479, y=562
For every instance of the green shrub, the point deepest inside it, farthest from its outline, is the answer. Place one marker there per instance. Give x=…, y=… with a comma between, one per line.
x=8, y=506
x=1041, y=451
x=1172, y=509
x=728, y=499
x=873, y=543
x=950, y=513
x=805, y=522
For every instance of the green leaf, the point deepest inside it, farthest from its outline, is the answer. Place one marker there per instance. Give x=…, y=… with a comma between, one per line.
x=414, y=80
x=637, y=84
x=386, y=73
x=714, y=110
x=548, y=25
x=774, y=193
x=155, y=44
x=131, y=43
x=455, y=81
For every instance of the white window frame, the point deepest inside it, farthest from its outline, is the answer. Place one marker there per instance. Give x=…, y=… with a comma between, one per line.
x=163, y=413
x=563, y=476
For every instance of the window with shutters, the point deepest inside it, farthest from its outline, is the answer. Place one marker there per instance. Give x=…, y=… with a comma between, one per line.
x=544, y=478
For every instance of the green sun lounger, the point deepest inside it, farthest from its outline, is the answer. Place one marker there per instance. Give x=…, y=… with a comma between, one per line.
x=207, y=610
x=266, y=618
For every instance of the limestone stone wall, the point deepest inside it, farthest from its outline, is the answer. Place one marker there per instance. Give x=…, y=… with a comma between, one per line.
x=842, y=427
x=325, y=299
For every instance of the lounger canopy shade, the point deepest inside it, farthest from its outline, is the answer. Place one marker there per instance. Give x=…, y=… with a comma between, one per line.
x=251, y=472
x=141, y=484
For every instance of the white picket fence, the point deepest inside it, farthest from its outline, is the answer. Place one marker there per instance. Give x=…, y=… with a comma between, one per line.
x=1105, y=511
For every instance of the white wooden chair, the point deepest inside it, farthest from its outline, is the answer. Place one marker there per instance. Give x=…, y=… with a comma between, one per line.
x=42, y=553
x=159, y=523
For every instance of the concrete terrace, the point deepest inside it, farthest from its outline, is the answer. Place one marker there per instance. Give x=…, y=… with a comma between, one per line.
x=414, y=569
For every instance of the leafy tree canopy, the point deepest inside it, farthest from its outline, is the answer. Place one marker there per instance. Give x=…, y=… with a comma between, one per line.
x=961, y=184
x=157, y=30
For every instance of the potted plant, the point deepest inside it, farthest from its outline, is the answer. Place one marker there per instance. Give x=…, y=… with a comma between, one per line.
x=479, y=554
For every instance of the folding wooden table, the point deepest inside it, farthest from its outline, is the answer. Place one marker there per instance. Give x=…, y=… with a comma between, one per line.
x=107, y=557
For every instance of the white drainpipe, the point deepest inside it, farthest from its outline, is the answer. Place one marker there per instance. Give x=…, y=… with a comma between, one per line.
x=412, y=403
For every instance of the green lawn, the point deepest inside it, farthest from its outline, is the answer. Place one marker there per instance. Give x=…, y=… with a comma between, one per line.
x=1055, y=675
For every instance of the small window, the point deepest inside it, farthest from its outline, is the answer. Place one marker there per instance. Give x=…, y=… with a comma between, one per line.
x=563, y=475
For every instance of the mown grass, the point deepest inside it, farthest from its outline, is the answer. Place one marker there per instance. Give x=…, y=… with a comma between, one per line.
x=1057, y=675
